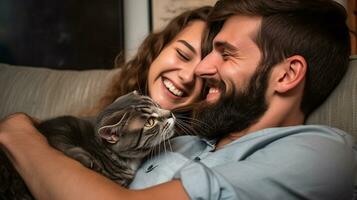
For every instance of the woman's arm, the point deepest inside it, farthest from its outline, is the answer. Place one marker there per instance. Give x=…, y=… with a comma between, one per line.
x=50, y=174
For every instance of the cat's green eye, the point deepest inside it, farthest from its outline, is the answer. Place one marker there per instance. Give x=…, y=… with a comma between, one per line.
x=150, y=122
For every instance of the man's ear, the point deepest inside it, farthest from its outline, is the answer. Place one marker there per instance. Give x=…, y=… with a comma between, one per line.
x=291, y=73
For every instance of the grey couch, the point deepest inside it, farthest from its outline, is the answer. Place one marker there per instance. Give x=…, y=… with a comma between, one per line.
x=46, y=93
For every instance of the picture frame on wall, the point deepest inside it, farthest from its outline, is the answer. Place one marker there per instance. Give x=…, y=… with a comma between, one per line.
x=162, y=11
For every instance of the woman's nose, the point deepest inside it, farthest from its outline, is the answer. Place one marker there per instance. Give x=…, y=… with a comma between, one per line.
x=187, y=74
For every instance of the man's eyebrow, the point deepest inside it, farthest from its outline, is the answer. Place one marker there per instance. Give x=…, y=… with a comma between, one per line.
x=190, y=47
x=225, y=45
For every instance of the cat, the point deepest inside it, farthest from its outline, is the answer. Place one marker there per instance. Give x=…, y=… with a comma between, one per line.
x=114, y=144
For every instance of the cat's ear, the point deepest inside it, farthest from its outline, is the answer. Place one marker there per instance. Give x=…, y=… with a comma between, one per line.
x=110, y=131
x=109, y=134
x=130, y=95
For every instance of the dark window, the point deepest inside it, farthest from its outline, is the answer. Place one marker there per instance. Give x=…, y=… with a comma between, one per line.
x=62, y=34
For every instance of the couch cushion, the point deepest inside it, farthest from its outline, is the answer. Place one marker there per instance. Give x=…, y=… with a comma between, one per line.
x=46, y=93
x=340, y=109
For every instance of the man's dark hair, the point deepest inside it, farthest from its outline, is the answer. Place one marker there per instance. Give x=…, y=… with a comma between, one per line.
x=314, y=29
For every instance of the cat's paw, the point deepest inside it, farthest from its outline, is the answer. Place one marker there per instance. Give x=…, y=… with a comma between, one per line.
x=84, y=157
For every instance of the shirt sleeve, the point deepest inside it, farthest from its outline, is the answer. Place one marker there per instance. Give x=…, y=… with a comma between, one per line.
x=303, y=166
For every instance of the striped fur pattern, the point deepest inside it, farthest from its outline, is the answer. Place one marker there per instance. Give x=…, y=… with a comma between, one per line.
x=114, y=144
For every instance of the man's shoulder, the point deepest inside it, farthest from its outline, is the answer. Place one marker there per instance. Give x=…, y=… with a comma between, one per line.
x=302, y=131
x=307, y=139
x=308, y=133
x=319, y=131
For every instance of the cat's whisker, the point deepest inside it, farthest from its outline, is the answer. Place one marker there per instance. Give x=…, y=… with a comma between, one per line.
x=166, y=138
x=192, y=126
x=185, y=130
x=160, y=141
x=164, y=141
x=196, y=130
x=191, y=119
x=157, y=149
x=168, y=141
x=152, y=152
x=155, y=152
x=197, y=123
x=164, y=146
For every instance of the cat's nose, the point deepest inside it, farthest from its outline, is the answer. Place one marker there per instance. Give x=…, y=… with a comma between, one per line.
x=166, y=113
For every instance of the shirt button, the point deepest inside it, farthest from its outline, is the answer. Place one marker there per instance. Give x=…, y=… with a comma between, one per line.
x=150, y=168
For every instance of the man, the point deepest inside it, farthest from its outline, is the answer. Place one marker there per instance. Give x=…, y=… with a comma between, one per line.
x=272, y=63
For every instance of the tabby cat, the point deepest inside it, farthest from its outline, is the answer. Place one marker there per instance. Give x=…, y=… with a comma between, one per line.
x=114, y=144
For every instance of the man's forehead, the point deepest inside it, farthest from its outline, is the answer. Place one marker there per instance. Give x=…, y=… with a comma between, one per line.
x=239, y=28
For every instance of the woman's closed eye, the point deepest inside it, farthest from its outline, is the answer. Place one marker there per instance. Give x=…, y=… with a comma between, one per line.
x=182, y=55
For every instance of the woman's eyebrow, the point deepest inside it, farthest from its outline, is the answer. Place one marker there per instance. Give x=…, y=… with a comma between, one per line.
x=190, y=47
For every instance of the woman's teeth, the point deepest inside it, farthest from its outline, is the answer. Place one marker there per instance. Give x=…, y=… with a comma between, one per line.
x=168, y=84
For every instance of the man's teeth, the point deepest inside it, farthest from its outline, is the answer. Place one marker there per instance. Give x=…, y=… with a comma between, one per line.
x=213, y=90
x=172, y=88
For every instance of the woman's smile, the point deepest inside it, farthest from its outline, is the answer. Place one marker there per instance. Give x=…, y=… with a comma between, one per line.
x=172, y=88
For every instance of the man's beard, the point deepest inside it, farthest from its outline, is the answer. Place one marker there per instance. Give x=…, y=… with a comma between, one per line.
x=234, y=112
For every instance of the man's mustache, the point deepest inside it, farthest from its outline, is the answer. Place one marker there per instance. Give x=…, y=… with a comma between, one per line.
x=215, y=83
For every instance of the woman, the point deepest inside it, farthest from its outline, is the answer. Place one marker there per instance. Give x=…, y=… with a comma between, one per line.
x=164, y=72
x=163, y=66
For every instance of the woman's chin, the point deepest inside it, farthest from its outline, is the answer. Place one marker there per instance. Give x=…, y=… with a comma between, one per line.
x=167, y=105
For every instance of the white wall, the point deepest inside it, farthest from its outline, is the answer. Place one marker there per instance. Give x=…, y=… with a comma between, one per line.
x=136, y=24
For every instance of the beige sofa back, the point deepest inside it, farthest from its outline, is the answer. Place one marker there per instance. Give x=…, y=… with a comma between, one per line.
x=340, y=109
x=46, y=93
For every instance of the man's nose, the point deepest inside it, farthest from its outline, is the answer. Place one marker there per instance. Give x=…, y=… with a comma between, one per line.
x=207, y=68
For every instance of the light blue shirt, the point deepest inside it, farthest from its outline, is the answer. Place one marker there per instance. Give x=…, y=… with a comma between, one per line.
x=300, y=162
